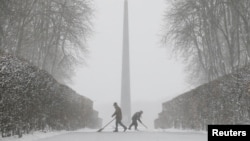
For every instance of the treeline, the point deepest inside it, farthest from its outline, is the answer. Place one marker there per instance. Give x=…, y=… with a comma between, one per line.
x=222, y=101
x=50, y=34
x=32, y=100
x=212, y=35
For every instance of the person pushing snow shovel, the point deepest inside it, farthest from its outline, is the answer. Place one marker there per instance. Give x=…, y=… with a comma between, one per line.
x=136, y=117
x=118, y=117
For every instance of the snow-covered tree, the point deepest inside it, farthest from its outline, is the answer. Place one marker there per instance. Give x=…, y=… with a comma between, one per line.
x=50, y=34
x=212, y=35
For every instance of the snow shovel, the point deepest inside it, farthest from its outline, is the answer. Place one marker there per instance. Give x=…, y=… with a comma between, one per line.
x=144, y=125
x=105, y=125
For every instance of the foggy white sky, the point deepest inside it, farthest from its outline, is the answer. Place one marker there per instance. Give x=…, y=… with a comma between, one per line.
x=154, y=75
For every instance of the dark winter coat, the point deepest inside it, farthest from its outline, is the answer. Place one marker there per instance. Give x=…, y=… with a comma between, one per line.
x=137, y=116
x=117, y=113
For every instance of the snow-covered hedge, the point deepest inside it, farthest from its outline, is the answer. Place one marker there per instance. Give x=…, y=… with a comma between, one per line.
x=30, y=99
x=222, y=101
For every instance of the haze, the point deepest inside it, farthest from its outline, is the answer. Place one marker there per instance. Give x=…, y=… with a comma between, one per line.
x=155, y=76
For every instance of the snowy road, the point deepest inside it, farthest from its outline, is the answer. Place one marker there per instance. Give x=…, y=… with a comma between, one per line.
x=129, y=136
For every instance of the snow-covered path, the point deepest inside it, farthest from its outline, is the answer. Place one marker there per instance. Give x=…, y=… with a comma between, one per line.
x=129, y=136
x=108, y=135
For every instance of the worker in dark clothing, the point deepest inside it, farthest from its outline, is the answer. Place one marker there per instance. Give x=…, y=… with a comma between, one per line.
x=136, y=117
x=118, y=117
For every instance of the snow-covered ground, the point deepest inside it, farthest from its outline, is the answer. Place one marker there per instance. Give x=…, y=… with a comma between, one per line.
x=34, y=136
x=108, y=135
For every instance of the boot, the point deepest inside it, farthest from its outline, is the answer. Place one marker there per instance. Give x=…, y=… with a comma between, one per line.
x=125, y=128
x=116, y=130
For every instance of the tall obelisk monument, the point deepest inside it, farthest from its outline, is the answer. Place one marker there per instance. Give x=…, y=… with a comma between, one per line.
x=125, y=84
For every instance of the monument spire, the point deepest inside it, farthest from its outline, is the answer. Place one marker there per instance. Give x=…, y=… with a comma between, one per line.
x=125, y=84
